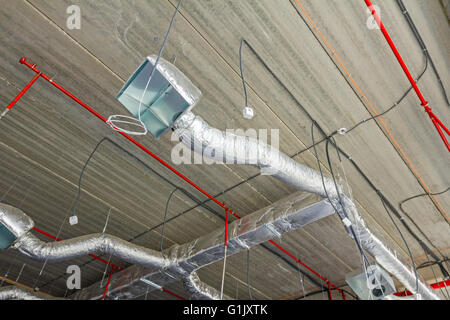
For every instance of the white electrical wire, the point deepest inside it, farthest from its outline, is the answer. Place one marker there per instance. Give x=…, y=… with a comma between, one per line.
x=112, y=120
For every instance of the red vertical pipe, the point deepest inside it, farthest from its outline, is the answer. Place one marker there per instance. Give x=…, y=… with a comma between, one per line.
x=226, y=227
x=395, y=51
x=28, y=86
x=437, y=123
x=107, y=285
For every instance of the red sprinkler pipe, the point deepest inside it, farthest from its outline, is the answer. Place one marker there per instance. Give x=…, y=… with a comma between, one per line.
x=33, y=67
x=28, y=86
x=226, y=227
x=435, y=286
x=173, y=294
x=437, y=123
x=107, y=285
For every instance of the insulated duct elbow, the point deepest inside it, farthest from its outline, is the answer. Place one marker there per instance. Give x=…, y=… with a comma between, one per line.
x=199, y=290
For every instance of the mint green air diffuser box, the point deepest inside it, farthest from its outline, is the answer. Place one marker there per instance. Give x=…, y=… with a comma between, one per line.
x=169, y=94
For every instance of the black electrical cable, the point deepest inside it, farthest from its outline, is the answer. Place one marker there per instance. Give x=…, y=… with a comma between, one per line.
x=189, y=195
x=436, y=280
x=393, y=209
x=429, y=263
x=373, y=117
x=77, y=199
x=164, y=220
x=248, y=275
x=242, y=73
x=428, y=251
x=351, y=129
x=405, y=242
x=309, y=115
x=314, y=123
x=423, y=194
x=389, y=204
x=422, y=45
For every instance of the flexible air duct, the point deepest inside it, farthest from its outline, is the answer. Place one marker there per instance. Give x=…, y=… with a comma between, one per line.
x=230, y=148
x=195, y=133
x=84, y=245
x=15, y=221
x=293, y=212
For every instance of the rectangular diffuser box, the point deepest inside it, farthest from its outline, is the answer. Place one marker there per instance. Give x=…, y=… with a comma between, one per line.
x=169, y=94
x=6, y=237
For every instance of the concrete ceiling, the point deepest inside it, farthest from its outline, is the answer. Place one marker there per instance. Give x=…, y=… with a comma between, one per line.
x=46, y=138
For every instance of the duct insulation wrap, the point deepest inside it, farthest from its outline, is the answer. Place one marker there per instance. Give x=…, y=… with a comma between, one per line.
x=100, y=243
x=295, y=211
x=199, y=290
x=196, y=134
x=16, y=293
x=15, y=220
x=226, y=147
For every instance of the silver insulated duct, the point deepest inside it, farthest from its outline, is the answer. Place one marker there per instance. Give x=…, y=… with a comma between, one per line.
x=15, y=226
x=180, y=262
x=100, y=243
x=293, y=212
x=16, y=293
x=196, y=134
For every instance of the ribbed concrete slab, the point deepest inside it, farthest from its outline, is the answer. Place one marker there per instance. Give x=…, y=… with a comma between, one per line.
x=46, y=139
